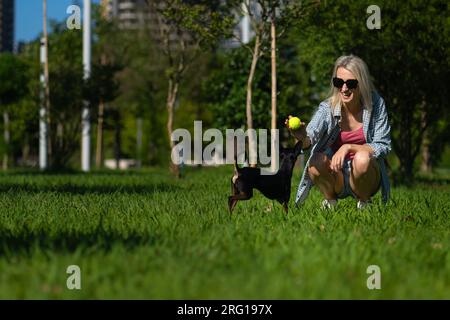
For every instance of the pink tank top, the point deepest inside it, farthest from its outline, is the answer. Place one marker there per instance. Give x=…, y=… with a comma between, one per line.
x=349, y=137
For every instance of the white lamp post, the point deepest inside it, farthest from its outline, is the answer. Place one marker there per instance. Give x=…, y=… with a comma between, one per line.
x=85, y=116
x=42, y=113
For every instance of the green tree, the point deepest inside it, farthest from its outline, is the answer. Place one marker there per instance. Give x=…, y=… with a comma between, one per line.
x=103, y=86
x=66, y=93
x=13, y=88
x=186, y=29
x=408, y=58
x=258, y=13
x=142, y=100
x=99, y=89
x=68, y=90
x=224, y=90
x=269, y=20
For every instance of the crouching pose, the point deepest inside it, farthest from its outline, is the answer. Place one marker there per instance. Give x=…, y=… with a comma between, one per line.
x=350, y=138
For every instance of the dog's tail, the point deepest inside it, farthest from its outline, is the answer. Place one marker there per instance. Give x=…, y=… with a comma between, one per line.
x=236, y=166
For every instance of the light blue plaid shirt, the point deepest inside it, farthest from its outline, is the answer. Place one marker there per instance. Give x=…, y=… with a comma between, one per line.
x=324, y=129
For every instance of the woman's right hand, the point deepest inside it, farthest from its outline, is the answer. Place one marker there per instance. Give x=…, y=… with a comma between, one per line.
x=299, y=133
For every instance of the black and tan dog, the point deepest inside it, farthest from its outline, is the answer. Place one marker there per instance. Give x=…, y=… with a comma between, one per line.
x=276, y=187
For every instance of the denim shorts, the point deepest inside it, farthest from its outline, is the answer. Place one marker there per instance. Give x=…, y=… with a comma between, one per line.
x=346, y=171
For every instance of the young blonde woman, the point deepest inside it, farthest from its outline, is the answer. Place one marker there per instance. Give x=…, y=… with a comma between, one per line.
x=350, y=137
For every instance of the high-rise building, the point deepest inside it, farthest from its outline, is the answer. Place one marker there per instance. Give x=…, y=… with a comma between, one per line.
x=6, y=25
x=135, y=14
x=130, y=14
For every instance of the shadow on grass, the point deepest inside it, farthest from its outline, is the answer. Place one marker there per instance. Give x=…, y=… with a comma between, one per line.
x=93, y=173
x=87, y=242
x=419, y=179
x=433, y=180
x=89, y=189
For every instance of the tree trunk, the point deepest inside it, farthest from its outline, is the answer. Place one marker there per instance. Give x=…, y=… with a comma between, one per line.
x=248, y=106
x=25, y=152
x=6, y=136
x=117, y=140
x=99, y=155
x=406, y=152
x=425, y=165
x=171, y=98
x=139, y=142
x=60, y=133
x=406, y=170
x=274, y=158
x=99, y=150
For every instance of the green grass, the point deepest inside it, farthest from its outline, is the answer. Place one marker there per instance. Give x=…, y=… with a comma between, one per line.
x=148, y=236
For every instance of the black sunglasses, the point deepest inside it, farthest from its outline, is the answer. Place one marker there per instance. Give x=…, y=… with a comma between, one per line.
x=351, y=83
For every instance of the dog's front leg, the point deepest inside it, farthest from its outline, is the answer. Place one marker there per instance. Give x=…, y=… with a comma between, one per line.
x=232, y=200
x=285, y=207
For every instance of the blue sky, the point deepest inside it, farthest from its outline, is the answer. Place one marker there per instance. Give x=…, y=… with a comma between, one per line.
x=28, y=16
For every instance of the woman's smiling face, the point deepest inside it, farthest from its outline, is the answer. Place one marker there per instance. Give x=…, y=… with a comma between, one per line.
x=347, y=95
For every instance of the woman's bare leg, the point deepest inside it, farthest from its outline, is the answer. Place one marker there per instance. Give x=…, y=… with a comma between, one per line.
x=329, y=182
x=365, y=176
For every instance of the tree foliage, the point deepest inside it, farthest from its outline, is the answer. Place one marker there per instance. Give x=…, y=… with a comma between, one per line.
x=14, y=89
x=408, y=58
x=13, y=79
x=224, y=90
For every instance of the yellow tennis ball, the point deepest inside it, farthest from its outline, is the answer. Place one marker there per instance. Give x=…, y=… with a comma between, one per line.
x=294, y=123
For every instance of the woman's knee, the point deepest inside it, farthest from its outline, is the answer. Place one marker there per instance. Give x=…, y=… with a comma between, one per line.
x=318, y=165
x=361, y=163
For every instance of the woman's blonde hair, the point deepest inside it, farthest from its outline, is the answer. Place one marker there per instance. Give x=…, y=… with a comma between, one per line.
x=359, y=68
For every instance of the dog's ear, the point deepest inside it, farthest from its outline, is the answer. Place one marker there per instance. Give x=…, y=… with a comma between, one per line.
x=298, y=147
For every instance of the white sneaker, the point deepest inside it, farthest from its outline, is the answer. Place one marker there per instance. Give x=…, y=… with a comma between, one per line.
x=363, y=204
x=329, y=204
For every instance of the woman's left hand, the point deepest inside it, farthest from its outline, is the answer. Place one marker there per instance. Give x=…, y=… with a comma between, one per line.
x=337, y=162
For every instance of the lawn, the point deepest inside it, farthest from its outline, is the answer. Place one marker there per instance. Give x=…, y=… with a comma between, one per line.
x=145, y=235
